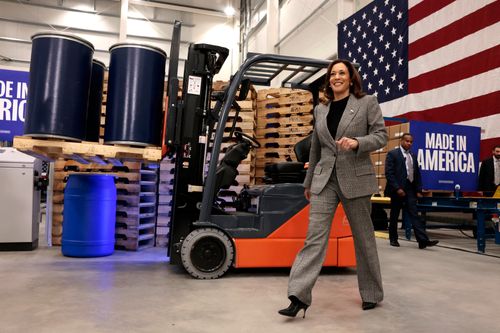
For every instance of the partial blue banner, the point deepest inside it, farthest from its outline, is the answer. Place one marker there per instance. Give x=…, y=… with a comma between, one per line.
x=447, y=154
x=13, y=96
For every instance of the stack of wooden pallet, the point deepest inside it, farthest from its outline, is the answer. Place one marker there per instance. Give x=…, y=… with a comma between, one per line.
x=136, y=185
x=245, y=123
x=378, y=157
x=103, y=108
x=136, y=209
x=165, y=190
x=284, y=117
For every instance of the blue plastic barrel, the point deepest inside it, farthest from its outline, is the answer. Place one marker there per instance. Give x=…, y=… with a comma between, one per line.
x=89, y=215
x=135, y=95
x=58, y=86
x=95, y=101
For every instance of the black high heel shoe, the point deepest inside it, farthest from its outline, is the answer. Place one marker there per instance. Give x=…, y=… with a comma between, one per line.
x=368, y=305
x=294, y=307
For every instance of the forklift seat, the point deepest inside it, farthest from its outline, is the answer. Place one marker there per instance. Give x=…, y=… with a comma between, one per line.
x=227, y=170
x=290, y=172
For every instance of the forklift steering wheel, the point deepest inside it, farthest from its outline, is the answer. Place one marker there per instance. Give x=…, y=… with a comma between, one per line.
x=245, y=137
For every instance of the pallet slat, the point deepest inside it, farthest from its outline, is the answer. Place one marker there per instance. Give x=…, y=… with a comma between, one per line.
x=84, y=151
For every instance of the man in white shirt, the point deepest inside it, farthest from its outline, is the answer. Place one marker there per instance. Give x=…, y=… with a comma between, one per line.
x=489, y=173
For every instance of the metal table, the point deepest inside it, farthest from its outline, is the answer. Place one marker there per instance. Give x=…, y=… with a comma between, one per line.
x=480, y=205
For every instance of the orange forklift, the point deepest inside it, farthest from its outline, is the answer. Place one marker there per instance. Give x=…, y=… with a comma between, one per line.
x=270, y=223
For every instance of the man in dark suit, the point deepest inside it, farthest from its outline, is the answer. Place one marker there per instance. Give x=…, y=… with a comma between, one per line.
x=489, y=173
x=404, y=185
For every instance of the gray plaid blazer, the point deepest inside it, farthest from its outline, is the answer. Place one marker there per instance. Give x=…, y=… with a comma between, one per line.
x=363, y=121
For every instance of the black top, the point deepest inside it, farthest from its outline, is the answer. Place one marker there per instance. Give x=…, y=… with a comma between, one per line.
x=335, y=114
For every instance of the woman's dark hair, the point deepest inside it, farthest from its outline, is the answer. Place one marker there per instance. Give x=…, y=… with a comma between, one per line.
x=356, y=88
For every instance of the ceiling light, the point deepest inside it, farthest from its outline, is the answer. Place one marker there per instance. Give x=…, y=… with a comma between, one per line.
x=229, y=11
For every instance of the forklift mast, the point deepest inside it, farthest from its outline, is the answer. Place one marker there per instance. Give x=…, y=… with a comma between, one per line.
x=191, y=136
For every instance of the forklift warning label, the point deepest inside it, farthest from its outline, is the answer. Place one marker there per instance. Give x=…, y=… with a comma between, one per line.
x=13, y=94
x=194, y=85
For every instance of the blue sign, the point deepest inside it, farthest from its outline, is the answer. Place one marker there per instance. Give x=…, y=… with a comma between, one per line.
x=447, y=155
x=13, y=95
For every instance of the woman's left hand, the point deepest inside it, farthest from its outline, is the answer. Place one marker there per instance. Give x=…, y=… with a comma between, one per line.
x=347, y=144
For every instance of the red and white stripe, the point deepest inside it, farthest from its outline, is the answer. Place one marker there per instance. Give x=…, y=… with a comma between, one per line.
x=454, y=66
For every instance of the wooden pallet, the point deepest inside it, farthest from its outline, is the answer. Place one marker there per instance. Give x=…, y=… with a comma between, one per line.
x=289, y=142
x=283, y=132
x=121, y=176
x=125, y=188
x=164, y=209
x=135, y=244
x=271, y=152
x=162, y=241
x=130, y=188
x=242, y=116
x=162, y=230
x=302, y=99
x=136, y=199
x=165, y=199
x=135, y=232
x=248, y=131
x=245, y=125
x=84, y=152
x=56, y=240
x=246, y=106
x=63, y=165
x=291, y=120
x=296, y=109
x=136, y=210
x=163, y=219
x=265, y=94
x=166, y=187
x=135, y=221
x=221, y=85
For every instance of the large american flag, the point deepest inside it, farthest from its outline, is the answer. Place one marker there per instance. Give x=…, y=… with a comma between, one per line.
x=431, y=60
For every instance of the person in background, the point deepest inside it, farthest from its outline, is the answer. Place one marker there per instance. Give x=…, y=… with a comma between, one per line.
x=348, y=127
x=489, y=173
x=404, y=186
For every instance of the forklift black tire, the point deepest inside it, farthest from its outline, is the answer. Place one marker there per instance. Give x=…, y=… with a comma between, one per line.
x=207, y=253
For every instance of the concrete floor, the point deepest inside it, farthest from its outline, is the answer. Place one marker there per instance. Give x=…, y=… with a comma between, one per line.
x=434, y=290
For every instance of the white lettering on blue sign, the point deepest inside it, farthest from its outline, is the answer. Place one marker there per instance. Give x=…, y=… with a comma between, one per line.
x=6, y=89
x=446, y=152
x=13, y=101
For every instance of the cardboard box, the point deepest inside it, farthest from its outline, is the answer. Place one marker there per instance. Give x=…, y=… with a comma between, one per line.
x=393, y=131
x=381, y=159
x=393, y=143
x=382, y=182
x=404, y=128
x=380, y=170
x=397, y=131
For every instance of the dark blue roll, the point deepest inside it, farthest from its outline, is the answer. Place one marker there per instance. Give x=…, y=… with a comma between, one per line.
x=95, y=101
x=135, y=95
x=59, y=83
x=89, y=216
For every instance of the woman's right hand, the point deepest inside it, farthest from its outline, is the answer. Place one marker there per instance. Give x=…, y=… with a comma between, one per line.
x=307, y=194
